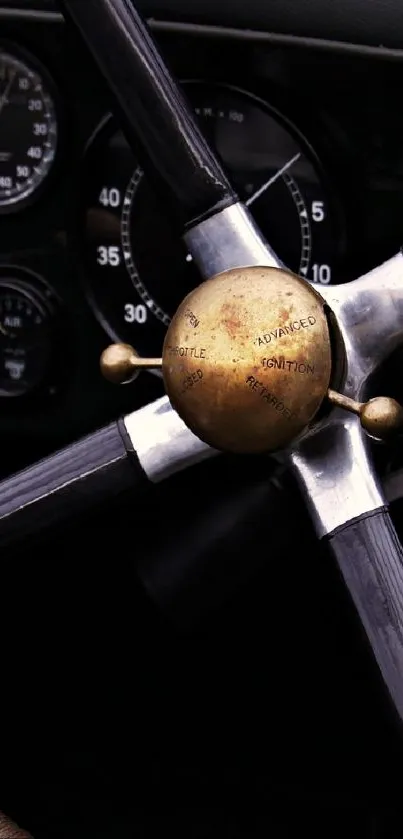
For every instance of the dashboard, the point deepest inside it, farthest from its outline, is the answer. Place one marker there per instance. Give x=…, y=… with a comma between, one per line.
x=90, y=253
x=302, y=103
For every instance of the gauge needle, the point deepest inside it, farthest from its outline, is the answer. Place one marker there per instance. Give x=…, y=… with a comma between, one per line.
x=265, y=186
x=4, y=97
x=273, y=179
x=3, y=330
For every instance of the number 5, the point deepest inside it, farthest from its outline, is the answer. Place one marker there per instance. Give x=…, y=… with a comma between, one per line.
x=318, y=211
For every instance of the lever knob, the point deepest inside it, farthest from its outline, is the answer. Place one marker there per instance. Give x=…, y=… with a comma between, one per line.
x=382, y=416
x=121, y=364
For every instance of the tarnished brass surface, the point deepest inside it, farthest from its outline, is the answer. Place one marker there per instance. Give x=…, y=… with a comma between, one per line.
x=382, y=416
x=120, y=363
x=247, y=360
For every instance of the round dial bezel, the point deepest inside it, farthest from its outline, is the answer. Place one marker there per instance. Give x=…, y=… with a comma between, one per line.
x=34, y=188
x=160, y=319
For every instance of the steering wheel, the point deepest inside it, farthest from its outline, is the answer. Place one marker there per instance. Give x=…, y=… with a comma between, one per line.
x=255, y=360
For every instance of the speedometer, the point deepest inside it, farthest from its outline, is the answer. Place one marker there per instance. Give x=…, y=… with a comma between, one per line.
x=137, y=266
x=28, y=128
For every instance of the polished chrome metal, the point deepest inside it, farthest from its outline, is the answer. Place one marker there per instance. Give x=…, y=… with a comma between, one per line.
x=334, y=470
x=332, y=463
x=369, y=313
x=227, y=240
x=163, y=443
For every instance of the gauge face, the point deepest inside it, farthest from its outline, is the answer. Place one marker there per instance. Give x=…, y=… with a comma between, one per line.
x=24, y=344
x=136, y=263
x=28, y=130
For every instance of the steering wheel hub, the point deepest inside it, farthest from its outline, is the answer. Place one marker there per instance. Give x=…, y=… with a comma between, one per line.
x=247, y=359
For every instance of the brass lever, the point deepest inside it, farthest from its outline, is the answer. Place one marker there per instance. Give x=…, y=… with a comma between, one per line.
x=382, y=416
x=120, y=363
x=247, y=363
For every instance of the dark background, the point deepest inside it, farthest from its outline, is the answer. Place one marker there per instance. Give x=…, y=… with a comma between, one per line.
x=256, y=713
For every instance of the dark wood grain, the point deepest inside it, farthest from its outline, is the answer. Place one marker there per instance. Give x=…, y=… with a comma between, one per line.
x=68, y=483
x=158, y=122
x=370, y=557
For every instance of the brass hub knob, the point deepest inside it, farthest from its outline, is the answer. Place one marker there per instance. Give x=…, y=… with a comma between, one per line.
x=246, y=360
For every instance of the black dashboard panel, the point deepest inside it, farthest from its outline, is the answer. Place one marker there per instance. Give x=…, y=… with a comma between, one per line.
x=339, y=107
x=372, y=22
x=377, y=23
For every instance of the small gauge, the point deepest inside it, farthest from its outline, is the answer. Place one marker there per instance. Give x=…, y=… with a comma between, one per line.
x=28, y=129
x=25, y=340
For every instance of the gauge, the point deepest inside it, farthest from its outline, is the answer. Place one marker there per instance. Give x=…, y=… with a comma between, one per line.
x=25, y=345
x=136, y=263
x=28, y=129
